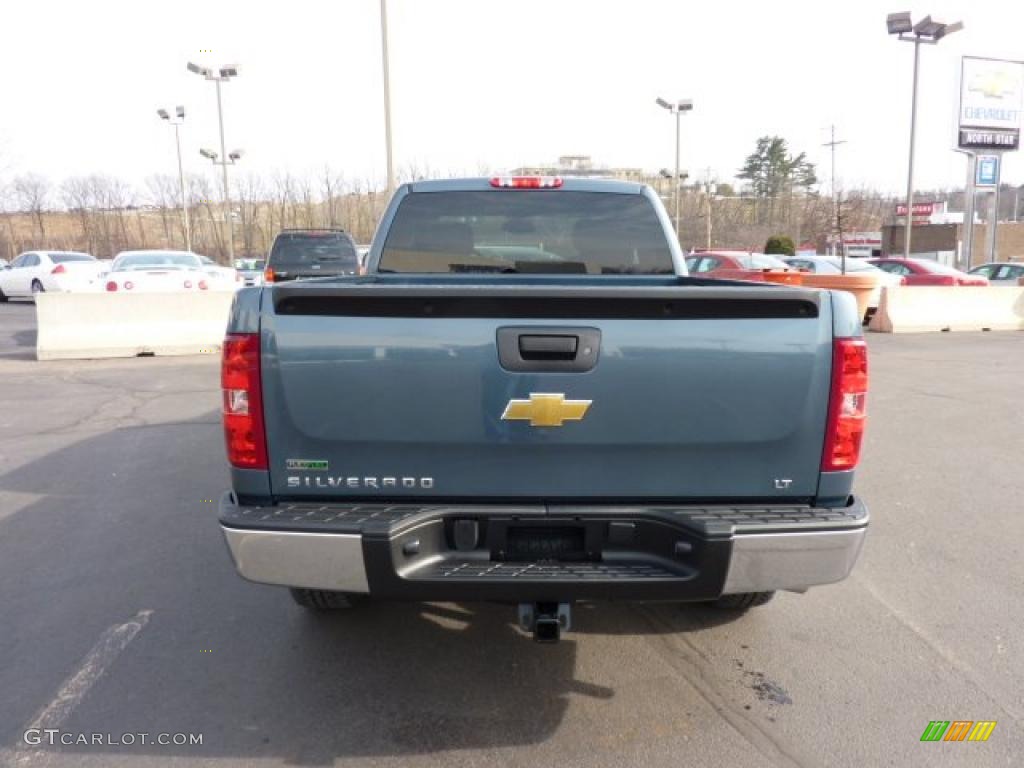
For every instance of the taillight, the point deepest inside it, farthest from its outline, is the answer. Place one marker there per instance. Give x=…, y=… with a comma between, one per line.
x=268, y=275
x=111, y=285
x=845, y=427
x=527, y=182
x=243, y=401
x=58, y=270
x=202, y=285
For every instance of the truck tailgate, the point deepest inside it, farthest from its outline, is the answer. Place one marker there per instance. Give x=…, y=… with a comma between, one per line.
x=377, y=390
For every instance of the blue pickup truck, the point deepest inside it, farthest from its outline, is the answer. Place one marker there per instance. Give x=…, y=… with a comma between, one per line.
x=526, y=399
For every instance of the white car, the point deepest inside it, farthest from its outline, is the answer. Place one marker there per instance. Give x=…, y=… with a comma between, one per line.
x=157, y=272
x=221, y=278
x=58, y=271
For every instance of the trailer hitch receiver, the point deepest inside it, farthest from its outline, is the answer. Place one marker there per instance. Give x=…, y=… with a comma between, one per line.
x=546, y=621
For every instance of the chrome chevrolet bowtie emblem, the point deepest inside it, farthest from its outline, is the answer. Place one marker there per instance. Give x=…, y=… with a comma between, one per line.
x=546, y=410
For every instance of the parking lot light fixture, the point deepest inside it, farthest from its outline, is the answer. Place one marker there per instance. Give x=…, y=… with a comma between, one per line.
x=680, y=106
x=209, y=154
x=927, y=31
x=898, y=23
x=179, y=118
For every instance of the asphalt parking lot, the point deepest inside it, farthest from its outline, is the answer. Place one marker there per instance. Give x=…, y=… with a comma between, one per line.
x=121, y=612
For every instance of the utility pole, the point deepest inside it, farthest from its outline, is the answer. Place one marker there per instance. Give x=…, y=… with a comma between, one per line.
x=677, y=192
x=707, y=188
x=835, y=202
x=227, y=187
x=387, y=94
x=993, y=219
x=222, y=75
x=930, y=32
x=970, y=195
x=910, y=165
x=177, y=122
x=676, y=108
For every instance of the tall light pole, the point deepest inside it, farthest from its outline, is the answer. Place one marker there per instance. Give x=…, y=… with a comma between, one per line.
x=387, y=93
x=179, y=118
x=929, y=32
x=682, y=105
x=222, y=75
x=233, y=157
x=832, y=144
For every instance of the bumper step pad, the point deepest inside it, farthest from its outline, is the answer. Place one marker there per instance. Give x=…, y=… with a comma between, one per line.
x=546, y=571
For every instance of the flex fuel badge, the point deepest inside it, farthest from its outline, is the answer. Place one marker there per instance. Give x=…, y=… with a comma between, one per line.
x=307, y=465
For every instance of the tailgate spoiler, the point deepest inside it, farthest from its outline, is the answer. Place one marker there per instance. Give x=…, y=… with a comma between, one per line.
x=690, y=298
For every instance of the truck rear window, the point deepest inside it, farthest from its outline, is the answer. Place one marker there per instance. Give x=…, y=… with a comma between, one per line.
x=317, y=253
x=595, y=233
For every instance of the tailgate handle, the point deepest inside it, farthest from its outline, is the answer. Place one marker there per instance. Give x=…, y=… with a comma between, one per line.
x=548, y=347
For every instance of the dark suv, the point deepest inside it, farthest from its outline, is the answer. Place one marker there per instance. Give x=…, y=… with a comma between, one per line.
x=311, y=253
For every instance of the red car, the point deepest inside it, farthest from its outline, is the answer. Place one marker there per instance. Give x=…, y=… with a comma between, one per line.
x=925, y=272
x=741, y=265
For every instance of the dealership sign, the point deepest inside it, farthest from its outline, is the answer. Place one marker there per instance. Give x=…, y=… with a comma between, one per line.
x=988, y=171
x=921, y=210
x=991, y=103
x=975, y=138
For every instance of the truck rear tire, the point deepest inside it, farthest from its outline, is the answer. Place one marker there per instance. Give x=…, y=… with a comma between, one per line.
x=323, y=600
x=742, y=601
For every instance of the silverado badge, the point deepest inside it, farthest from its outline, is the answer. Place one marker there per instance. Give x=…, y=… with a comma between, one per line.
x=546, y=410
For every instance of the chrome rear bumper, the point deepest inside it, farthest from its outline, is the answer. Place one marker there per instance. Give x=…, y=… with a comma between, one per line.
x=725, y=556
x=793, y=561
x=331, y=561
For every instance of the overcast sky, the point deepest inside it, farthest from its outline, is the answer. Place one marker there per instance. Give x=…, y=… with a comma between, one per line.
x=487, y=83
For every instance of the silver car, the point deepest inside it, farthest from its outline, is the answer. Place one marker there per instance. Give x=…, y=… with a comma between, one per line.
x=1000, y=272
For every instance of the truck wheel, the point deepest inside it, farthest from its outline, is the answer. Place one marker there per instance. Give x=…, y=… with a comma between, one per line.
x=742, y=601
x=322, y=600
x=3, y=296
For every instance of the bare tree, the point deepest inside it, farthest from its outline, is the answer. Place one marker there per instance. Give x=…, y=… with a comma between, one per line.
x=331, y=186
x=284, y=199
x=250, y=196
x=307, y=208
x=163, y=193
x=76, y=195
x=208, y=231
x=32, y=195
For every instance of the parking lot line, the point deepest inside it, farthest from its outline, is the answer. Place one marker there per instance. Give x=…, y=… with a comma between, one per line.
x=103, y=654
